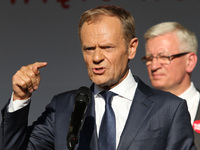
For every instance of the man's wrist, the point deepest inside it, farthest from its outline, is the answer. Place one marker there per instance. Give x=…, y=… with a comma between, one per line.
x=17, y=104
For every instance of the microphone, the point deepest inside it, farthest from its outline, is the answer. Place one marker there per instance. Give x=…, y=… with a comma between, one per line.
x=82, y=99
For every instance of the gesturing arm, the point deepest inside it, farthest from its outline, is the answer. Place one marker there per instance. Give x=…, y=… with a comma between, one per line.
x=14, y=125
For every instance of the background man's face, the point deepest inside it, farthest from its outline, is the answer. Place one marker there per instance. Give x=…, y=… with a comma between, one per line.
x=165, y=77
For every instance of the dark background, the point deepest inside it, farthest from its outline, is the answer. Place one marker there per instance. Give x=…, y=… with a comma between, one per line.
x=47, y=30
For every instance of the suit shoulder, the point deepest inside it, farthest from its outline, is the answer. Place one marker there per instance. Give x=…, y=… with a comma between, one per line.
x=155, y=94
x=167, y=96
x=66, y=97
x=168, y=101
x=66, y=93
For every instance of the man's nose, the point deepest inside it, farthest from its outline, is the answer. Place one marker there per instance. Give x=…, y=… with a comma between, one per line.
x=155, y=64
x=98, y=55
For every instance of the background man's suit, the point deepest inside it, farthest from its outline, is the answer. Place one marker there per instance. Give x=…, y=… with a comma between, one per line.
x=155, y=122
x=197, y=135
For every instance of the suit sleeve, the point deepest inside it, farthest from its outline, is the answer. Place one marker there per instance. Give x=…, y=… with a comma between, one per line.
x=14, y=128
x=1, y=138
x=17, y=135
x=181, y=136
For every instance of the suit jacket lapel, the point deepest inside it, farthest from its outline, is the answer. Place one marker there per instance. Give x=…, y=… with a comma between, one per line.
x=198, y=110
x=198, y=113
x=140, y=108
x=197, y=135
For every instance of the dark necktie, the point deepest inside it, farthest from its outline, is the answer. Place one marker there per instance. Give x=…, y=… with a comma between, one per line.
x=107, y=132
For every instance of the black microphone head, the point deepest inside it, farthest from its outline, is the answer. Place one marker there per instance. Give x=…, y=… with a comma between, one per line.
x=83, y=94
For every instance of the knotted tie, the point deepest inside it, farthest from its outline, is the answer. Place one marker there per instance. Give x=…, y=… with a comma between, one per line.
x=107, y=133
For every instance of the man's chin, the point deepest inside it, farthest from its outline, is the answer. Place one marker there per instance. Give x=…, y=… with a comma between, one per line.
x=157, y=86
x=98, y=82
x=103, y=85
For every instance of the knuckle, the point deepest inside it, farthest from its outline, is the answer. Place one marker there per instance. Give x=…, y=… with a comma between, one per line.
x=14, y=77
x=30, y=89
x=32, y=75
x=23, y=68
x=17, y=73
x=28, y=81
x=23, y=84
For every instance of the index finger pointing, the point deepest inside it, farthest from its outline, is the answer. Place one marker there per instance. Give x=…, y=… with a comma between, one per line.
x=37, y=66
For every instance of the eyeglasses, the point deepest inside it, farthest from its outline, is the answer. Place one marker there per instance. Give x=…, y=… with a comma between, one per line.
x=164, y=60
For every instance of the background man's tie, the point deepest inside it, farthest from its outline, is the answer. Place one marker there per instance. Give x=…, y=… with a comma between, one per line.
x=107, y=133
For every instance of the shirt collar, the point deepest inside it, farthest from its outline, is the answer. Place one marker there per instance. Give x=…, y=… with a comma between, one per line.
x=190, y=91
x=125, y=89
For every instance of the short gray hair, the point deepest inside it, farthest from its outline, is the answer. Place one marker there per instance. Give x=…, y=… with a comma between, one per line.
x=188, y=39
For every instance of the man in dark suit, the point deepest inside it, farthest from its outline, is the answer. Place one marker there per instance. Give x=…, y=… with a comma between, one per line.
x=144, y=118
x=171, y=56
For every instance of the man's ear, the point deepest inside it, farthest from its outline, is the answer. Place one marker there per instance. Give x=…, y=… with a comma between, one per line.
x=191, y=62
x=132, y=48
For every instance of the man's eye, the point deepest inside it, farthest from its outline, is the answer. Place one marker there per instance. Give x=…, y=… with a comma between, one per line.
x=88, y=48
x=106, y=47
x=163, y=57
x=149, y=58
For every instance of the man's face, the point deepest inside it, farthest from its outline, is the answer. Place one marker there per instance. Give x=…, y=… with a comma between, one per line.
x=166, y=77
x=105, y=52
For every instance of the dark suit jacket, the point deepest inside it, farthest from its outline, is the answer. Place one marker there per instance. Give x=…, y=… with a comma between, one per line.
x=197, y=135
x=157, y=121
x=0, y=138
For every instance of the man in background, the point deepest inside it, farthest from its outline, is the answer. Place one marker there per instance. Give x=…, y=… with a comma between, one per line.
x=171, y=56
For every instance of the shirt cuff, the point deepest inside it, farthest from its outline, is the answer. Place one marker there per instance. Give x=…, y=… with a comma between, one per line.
x=17, y=104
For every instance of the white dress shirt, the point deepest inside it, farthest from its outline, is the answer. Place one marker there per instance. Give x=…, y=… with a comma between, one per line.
x=121, y=103
x=192, y=97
